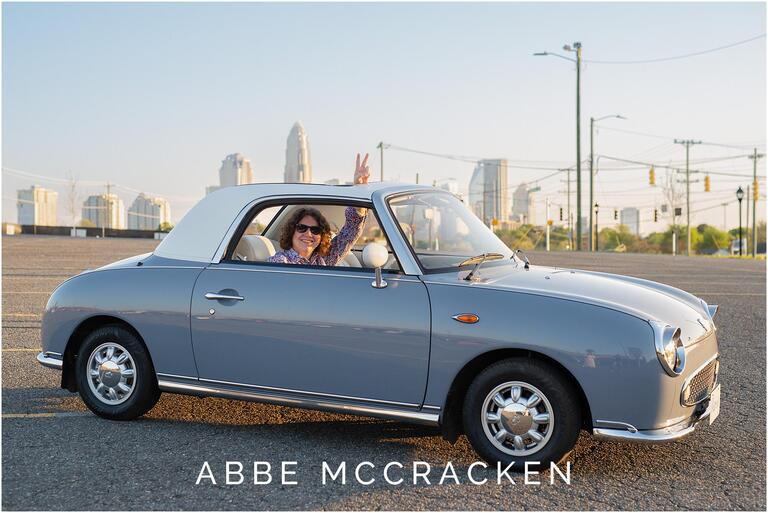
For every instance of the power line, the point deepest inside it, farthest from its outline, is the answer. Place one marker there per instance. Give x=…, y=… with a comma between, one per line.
x=684, y=56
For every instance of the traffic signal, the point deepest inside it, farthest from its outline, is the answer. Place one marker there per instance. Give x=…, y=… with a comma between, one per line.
x=755, y=193
x=652, y=176
x=615, y=214
x=655, y=215
x=706, y=184
x=561, y=213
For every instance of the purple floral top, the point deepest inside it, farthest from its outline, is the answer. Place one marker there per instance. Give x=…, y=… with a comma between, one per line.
x=340, y=245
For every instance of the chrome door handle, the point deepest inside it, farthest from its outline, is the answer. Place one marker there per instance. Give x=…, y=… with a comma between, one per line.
x=213, y=295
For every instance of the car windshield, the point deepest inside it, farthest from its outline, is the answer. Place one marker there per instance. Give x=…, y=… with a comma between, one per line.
x=442, y=231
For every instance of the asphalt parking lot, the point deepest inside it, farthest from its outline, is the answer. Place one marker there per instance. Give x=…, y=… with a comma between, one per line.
x=56, y=455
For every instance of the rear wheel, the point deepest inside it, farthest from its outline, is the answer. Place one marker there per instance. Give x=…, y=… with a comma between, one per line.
x=521, y=410
x=114, y=374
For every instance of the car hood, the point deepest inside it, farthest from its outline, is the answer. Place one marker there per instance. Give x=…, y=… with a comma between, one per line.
x=645, y=299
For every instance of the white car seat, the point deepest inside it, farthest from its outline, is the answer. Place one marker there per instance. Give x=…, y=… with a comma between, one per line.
x=254, y=248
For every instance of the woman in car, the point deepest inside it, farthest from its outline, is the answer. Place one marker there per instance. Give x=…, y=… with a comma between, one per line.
x=306, y=236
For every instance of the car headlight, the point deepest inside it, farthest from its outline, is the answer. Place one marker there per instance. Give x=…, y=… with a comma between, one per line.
x=669, y=348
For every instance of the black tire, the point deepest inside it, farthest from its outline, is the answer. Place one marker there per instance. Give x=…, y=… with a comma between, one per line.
x=144, y=391
x=557, y=390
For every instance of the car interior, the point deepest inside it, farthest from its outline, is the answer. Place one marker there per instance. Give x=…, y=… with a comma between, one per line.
x=260, y=240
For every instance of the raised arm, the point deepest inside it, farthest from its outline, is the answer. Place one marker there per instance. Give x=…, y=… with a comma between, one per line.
x=349, y=233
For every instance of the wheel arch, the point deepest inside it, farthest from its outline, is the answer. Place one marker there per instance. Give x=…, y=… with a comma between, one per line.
x=450, y=419
x=85, y=327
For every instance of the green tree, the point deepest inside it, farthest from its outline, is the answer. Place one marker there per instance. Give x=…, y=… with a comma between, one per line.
x=712, y=239
x=86, y=223
x=165, y=227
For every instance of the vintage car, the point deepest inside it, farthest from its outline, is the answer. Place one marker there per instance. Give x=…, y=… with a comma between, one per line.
x=429, y=318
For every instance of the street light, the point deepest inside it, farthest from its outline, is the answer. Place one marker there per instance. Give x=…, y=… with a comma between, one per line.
x=592, y=121
x=740, y=196
x=576, y=48
x=598, y=233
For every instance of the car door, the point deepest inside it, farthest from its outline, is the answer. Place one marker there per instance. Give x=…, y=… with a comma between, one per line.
x=324, y=331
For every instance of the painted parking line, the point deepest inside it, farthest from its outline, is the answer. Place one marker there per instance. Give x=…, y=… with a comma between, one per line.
x=47, y=415
x=22, y=315
x=22, y=349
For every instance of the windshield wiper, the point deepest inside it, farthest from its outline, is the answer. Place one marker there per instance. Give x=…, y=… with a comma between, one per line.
x=524, y=259
x=478, y=261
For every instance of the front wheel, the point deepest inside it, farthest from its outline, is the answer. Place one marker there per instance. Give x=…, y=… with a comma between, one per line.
x=114, y=374
x=522, y=410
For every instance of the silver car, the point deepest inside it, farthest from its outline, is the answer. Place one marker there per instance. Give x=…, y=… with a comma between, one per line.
x=429, y=319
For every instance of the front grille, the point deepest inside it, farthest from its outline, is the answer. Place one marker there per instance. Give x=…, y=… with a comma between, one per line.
x=700, y=386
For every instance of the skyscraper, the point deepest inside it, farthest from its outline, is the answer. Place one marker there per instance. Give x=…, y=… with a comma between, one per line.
x=37, y=206
x=523, y=207
x=148, y=213
x=476, y=192
x=235, y=170
x=631, y=218
x=298, y=163
x=488, y=195
x=105, y=210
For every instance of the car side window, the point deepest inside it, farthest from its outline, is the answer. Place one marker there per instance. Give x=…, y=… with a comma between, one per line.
x=265, y=236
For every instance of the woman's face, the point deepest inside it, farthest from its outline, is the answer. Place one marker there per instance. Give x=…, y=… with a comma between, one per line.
x=305, y=243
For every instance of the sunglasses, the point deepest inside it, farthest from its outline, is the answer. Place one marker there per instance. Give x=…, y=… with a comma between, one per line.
x=316, y=230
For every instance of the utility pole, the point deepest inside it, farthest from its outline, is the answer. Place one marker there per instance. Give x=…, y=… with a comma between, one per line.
x=754, y=158
x=106, y=212
x=746, y=220
x=725, y=219
x=591, y=180
x=687, y=143
x=381, y=158
x=577, y=46
x=570, y=224
x=549, y=222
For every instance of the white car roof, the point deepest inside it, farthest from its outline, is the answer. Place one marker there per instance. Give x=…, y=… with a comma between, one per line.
x=198, y=235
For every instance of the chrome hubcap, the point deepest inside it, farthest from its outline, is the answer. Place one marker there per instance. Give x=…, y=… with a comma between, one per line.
x=111, y=373
x=517, y=418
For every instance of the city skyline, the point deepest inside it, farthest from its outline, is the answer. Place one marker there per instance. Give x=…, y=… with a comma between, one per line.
x=443, y=91
x=298, y=158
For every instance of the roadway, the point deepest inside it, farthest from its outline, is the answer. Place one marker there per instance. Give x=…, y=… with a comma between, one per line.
x=56, y=455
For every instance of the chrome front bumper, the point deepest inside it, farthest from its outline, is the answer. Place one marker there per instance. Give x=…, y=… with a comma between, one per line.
x=51, y=360
x=668, y=434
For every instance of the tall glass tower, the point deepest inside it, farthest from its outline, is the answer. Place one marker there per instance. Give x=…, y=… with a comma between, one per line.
x=298, y=163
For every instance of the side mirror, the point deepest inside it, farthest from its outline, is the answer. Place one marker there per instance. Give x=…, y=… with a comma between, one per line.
x=375, y=255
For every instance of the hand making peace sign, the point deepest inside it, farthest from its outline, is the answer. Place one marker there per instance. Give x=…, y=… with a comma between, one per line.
x=362, y=171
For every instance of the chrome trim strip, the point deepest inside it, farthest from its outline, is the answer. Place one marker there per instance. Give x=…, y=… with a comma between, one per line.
x=628, y=427
x=179, y=376
x=430, y=407
x=692, y=375
x=44, y=359
x=431, y=419
x=668, y=434
x=304, y=392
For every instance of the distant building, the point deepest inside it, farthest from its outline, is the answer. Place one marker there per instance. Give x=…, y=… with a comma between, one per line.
x=488, y=191
x=235, y=170
x=298, y=162
x=523, y=205
x=450, y=185
x=148, y=213
x=38, y=206
x=105, y=210
x=631, y=218
x=476, y=188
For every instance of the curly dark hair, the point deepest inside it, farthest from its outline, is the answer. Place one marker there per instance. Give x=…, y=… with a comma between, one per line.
x=286, y=234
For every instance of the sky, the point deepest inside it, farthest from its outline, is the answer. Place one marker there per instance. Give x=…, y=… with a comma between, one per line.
x=152, y=97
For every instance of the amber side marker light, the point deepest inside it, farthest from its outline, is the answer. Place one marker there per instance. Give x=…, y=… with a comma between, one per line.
x=466, y=318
